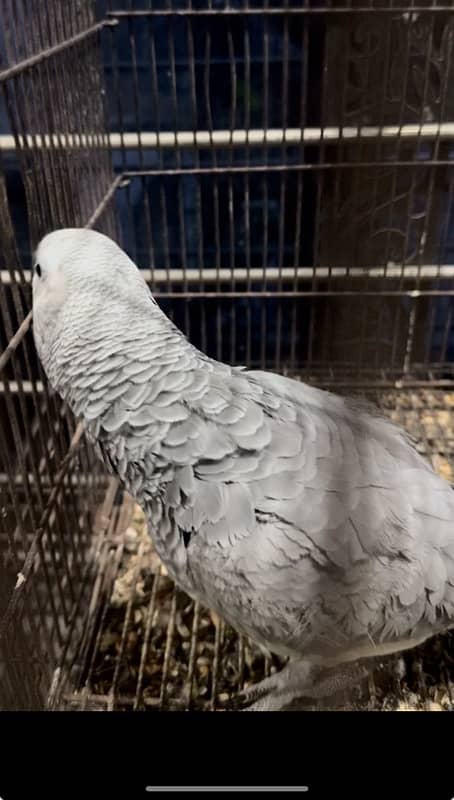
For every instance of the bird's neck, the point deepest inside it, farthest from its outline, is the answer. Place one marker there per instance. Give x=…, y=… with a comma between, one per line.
x=92, y=355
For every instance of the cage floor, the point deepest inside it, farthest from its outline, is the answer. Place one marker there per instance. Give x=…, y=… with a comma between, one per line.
x=148, y=646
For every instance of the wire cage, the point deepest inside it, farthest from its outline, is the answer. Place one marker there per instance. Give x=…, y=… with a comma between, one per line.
x=283, y=173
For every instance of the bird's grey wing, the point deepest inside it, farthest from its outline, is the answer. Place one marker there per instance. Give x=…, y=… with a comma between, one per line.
x=310, y=497
x=297, y=493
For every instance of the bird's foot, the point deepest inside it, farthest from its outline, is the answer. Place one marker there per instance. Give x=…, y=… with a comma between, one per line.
x=300, y=680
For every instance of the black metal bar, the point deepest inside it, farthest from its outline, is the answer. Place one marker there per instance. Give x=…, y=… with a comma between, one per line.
x=27, y=63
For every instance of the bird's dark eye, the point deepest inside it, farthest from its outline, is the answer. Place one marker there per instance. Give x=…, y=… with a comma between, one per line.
x=38, y=270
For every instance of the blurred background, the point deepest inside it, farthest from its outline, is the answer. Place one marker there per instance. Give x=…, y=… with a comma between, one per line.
x=329, y=172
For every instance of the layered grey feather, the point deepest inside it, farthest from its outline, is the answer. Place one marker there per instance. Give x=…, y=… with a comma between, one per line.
x=309, y=523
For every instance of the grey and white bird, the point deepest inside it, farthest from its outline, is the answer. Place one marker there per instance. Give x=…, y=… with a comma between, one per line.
x=309, y=523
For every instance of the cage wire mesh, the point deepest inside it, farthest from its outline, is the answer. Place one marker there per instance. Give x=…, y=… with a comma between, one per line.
x=283, y=174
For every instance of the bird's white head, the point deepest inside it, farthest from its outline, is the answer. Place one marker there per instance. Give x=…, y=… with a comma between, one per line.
x=76, y=260
x=83, y=282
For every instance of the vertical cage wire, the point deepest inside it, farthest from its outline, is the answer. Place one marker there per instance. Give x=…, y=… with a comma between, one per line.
x=344, y=190
x=51, y=486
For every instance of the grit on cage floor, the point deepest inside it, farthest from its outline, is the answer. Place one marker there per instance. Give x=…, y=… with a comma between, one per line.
x=283, y=174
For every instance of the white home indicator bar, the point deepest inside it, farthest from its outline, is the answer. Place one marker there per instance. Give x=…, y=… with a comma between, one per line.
x=227, y=788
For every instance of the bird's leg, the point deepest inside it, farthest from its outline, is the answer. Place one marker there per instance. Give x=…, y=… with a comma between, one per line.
x=275, y=701
x=294, y=672
x=300, y=679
